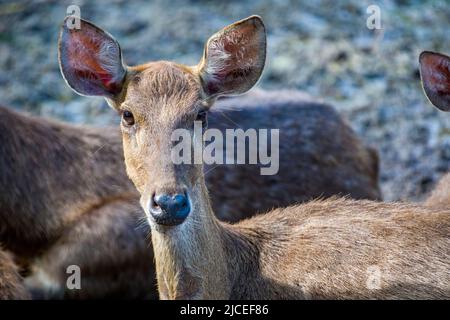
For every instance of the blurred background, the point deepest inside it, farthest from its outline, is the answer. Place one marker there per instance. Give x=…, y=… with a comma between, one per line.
x=321, y=47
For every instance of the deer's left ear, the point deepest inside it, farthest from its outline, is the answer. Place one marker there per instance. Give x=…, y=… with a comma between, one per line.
x=435, y=74
x=234, y=58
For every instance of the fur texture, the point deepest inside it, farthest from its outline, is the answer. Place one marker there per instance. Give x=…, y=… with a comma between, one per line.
x=319, y=250
x=85, y=166
x=163, y=96
x=11, y=283
x=435, y=75
x=324, y=249
x=440, y=196
x=65, y=199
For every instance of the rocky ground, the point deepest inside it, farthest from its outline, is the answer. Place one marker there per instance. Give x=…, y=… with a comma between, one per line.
x=322, y=47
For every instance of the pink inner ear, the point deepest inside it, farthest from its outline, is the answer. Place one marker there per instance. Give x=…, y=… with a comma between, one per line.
x=436, y=73
x=85, y=58
x=242, y=47
x=232, y=56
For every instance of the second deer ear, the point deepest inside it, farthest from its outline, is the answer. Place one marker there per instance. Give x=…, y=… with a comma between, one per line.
x=435, y=74
x=234, y=58
x=90, y=60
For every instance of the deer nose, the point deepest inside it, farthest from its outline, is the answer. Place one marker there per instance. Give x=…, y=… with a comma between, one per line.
x=169, y=209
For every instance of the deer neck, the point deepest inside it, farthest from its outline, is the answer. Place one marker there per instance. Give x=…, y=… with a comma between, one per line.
x=191, y=261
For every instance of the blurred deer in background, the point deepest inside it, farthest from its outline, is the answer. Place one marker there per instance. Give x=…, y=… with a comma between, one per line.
x=322, y=249
x=435, y=75
x=11, y=283
x=63, y=188
x=65, y=200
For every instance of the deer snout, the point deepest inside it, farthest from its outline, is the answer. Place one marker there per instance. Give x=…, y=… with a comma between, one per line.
x=169, y=209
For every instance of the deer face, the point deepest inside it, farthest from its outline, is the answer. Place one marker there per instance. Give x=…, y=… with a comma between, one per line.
x=435, y=74
x=159, y=97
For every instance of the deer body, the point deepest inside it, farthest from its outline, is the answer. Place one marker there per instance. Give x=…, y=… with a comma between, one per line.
x=319, y=250
x=50, y=180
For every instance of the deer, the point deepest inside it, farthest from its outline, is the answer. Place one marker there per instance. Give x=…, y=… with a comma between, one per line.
x=435, y=75
x=11, y=283
x=78, y=195
x=322, y=249
x=49, y=214
x=65, y=200
x=440, y=195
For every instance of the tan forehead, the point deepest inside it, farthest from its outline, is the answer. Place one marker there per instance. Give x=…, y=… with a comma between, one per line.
x=163, y=80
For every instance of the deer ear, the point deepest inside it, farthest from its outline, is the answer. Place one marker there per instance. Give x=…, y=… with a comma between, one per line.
x=90, y=60
x=435, y=74
x=234, y=58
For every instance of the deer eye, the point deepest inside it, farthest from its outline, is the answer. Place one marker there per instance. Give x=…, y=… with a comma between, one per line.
x=127, y=118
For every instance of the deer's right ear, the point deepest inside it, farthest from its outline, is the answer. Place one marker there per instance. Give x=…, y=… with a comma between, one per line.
x=234, y=58
x=435, y=74
x=90, y=60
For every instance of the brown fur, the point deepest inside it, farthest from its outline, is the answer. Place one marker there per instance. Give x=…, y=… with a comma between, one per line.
x=11, y=283
x=51, y=175
x=345, y=157
x=65, y=199
x=319, y=250
x=440, y=196
x=316, y=146
x=77, y=196
x=110, y=244
x=323, y=249
x=37, y=223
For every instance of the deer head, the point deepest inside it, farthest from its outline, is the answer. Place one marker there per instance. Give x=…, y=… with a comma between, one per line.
x=156, y=98
x=435, y=74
